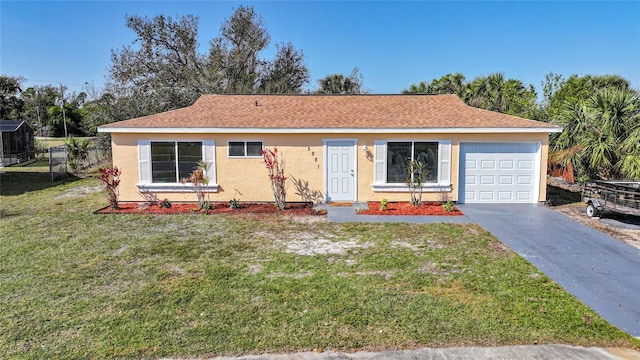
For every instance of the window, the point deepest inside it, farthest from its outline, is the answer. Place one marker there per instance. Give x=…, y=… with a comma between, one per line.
x=245, y=148
x=172, y=161
x=392, y=157
x=163, y=163
x=400, y=153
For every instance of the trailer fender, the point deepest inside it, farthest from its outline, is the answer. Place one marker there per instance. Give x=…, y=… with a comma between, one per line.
x=595, y=203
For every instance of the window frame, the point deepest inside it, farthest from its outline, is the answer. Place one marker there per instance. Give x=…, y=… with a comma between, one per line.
x=246, y=148
x=412, y=145
x=145, y=167
x=176, y=160
x=443, y=182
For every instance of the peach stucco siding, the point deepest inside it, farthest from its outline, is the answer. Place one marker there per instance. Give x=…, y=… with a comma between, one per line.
x=246, y=178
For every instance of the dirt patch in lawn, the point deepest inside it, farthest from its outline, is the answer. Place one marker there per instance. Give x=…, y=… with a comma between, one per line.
x=565, y=198
x=292, y=209
x=312, y=247
x=79, y=191
x=405, y=208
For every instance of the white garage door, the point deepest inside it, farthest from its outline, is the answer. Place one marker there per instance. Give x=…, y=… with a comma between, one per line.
x=499, y=172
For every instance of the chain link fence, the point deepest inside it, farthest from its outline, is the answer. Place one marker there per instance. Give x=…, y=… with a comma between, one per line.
x=57, y=162
x=78, y=155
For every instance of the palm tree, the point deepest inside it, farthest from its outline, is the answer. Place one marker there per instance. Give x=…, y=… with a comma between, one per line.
x=486, y=92
x=601, y=136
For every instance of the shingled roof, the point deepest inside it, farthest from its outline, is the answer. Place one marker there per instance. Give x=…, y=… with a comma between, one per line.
x=323, y=112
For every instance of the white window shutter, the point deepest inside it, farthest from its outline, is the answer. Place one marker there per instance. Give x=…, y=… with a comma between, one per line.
x=209, y=157
x=444, y=162
x=380, y=162
x=144, y=161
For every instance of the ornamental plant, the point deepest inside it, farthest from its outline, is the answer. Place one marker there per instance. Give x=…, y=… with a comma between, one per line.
x=165, y=204
x=234, y=203
x=198, y=180
x=448, y=206
x=417, y=174
x=110, y=178
x=275, y=167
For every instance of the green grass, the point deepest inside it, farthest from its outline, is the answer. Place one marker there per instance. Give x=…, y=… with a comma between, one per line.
x=53, y=141
x=78, y=285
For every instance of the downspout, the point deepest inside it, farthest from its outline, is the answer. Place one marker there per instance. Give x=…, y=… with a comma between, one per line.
x=1, y=149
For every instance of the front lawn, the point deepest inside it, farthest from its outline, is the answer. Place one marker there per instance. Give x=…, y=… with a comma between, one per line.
x=78, y=285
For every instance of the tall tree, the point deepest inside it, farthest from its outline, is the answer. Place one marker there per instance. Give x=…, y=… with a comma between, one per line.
x=494, y=92
x=237, y=50
x=67, y=112
x=162, y=69
x=11, y=105
x=600, y=135
x=287, y=74
x=448, y=84
x=491, y=92
x=558, y=91
x=340, y=84
x=37, y=100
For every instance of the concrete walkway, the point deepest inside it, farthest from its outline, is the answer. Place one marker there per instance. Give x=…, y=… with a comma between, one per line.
x=601, y=271
x=528, y=352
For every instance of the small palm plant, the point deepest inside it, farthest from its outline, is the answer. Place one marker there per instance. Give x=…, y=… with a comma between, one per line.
x=78, y=150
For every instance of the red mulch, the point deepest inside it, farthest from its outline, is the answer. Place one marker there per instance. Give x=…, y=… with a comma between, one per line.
x=298, y=209
x=341, y=203
x=405, y=208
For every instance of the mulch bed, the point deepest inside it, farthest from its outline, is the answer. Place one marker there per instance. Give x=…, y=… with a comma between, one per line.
x=297, y=209
x=405, y=208
x=341, y=203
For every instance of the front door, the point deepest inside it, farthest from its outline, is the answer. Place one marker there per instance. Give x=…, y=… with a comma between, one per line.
x=340, y=170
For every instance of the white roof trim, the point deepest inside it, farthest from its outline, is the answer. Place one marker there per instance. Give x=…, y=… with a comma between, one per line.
x=198, y=130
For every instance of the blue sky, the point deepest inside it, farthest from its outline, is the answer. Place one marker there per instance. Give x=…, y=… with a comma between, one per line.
x=394, y=44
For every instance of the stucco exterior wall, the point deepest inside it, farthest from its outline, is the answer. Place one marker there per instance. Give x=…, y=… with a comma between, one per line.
x=246, y=178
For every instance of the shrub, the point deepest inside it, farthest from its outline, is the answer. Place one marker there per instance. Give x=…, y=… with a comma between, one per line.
x=383, y=204
x=234, y=203
x=165, y=204
x=110, y=178
x=276, y=176
x=448, y=206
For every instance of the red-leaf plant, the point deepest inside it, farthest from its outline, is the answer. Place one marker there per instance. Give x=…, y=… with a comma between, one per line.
x=276, y=175
x=110, y=178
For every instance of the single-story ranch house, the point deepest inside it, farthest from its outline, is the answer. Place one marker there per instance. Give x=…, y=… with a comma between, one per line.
x=335, y=148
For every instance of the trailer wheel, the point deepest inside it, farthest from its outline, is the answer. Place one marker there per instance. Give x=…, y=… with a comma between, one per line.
x=591, y=211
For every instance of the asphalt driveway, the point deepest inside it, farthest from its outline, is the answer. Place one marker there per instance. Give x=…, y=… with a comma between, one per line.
x=601, y=271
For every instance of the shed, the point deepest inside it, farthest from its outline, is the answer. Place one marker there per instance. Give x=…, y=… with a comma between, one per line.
x=16, y=142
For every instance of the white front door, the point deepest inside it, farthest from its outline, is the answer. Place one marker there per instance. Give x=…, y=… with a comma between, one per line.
x=499, y=172
x=340, y=170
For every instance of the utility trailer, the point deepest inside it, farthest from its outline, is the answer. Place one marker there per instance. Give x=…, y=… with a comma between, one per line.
x=612, y=196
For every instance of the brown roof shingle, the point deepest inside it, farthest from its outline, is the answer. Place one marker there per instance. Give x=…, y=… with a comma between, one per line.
x=329, y=112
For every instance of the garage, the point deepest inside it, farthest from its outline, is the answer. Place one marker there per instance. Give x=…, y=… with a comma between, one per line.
x=499, y=172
